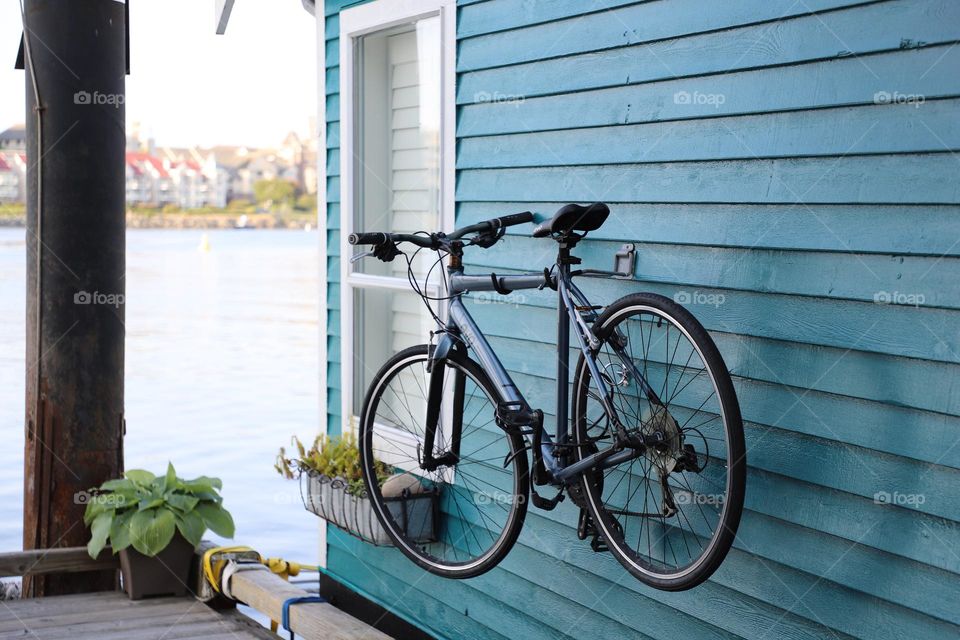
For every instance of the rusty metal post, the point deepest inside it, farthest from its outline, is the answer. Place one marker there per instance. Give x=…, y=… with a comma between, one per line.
x=75, y=63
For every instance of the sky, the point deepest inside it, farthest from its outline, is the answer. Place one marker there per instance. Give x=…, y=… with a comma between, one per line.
x=189, y=86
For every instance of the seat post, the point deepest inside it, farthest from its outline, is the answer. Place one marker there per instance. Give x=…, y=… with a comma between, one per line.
x=564, y=260
x=563, y=348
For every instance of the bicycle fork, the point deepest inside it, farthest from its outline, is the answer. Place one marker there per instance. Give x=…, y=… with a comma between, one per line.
x=437, y=368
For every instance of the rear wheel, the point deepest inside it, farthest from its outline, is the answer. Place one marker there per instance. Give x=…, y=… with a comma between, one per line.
x=668, y=513
x=482, y=497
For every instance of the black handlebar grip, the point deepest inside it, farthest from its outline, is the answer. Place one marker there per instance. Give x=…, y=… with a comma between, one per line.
x=367, y=238
x=516, y=218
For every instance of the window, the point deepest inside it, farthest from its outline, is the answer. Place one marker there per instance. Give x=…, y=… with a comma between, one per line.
x=397, y=100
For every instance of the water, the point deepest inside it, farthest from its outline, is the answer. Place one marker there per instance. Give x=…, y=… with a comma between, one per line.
x=221, y=369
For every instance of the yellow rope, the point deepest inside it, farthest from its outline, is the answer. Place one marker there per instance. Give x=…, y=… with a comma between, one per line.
x=213, y=567
x=286, y=568
x=215, y=559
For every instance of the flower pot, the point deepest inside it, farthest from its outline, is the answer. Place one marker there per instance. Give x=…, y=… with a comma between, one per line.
x=329, y=499
x=163, y=575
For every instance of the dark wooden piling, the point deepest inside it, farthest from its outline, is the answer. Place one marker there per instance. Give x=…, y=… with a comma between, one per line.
x=75, y=67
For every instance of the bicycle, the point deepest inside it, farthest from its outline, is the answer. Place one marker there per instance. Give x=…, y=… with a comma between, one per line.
x=458, y=426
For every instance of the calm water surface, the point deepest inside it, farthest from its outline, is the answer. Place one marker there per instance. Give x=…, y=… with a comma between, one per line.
x=221, y=369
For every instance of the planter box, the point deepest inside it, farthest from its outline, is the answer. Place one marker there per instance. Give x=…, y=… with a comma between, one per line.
x=163, y=575
x=329, y=499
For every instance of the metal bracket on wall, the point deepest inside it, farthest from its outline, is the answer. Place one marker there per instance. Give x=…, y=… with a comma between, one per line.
x=624, y=263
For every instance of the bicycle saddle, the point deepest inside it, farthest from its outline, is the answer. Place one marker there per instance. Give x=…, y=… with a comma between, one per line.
x=573, y=217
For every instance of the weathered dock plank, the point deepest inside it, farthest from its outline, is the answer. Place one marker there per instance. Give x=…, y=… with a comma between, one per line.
x=112, y=616
x=266, y=593
x=64, y=560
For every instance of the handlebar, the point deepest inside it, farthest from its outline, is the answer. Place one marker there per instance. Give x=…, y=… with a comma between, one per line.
x=433, y=241
x=378, y=238
x=493, y=225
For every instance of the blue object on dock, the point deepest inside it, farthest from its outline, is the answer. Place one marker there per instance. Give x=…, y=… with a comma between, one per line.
x=285, y=610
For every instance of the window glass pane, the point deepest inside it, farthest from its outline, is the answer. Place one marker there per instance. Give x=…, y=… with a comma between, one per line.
x=385, y=321
x=397, y=137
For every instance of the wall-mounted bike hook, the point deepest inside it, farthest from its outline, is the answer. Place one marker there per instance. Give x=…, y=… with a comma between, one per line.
x=624, y=262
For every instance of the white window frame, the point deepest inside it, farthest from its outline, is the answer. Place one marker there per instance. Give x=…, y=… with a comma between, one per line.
x=354, y=23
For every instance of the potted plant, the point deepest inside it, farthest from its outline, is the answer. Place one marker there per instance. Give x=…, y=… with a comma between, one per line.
x=331, y=486
x=155, y=523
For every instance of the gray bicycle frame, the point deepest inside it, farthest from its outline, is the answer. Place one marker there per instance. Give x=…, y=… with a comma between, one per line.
x=461, y=322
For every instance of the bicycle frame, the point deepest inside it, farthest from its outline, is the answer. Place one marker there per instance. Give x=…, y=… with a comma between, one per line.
x=572, y=301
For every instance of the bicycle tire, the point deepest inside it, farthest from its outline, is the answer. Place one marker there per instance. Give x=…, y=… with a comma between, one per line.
x=425, y=554
x=605, y=517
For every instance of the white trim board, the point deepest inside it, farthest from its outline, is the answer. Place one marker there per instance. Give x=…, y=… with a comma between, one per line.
x=355, y=22
x=322, y=243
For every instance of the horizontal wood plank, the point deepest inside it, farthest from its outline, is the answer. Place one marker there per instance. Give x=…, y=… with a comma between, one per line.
x=862, y=179
x=61, y=560
x=929, y=230
x=886, y=26
x=623, y=26
x=874, y=129
x=927, y=72
x=112, y=616
x=266, y=592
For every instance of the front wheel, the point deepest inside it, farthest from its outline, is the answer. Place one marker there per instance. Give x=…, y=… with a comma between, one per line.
x=668, y=507
x=481, y=489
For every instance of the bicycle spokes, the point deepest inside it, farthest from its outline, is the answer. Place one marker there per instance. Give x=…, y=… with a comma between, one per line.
x=460, y=457
x=666, y=501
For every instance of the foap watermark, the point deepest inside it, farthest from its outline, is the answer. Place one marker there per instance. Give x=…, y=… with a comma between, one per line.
x=515, y=99
x=110, y=299
x=699, y=297
x=886, y=97
x=688, y=497
x=497, y=497
x=114, y=100
x=514, y=299
x=899, y=297
x=110, y=500
x=899, y=499
x=696, y=97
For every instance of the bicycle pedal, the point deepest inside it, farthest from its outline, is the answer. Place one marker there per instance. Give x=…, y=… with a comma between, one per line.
x=598, y=544
x=587, y=529
x=547, y=504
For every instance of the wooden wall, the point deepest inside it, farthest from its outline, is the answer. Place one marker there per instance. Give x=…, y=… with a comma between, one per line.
x=791, y=165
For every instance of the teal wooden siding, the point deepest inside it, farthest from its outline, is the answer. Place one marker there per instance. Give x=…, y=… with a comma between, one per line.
x=812, y=172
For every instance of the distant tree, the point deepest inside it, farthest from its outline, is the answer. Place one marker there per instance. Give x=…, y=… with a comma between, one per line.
x=307, y=202
x=274, y=193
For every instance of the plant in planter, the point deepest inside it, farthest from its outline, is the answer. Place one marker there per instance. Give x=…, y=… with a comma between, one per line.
x=336, y=457
x=155, y=523
x=331, y=485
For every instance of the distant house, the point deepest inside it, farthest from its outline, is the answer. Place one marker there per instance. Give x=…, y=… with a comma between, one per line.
x=149, y=182
x=9, y=181
x=792, y=162
x=200, y=180
x=13, y=176
x=185, y=179
x=14, y=138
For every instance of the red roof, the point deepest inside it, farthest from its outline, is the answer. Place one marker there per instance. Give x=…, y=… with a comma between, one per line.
x=193, y=165
x=135, y=159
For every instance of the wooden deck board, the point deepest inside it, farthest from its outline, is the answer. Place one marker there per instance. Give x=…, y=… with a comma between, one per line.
x=112, y=616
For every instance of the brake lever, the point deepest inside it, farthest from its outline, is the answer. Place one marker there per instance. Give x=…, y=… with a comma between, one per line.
x=487, y=239
x=361, y=256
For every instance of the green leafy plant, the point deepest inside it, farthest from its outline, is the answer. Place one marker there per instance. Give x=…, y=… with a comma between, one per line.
x=145, y=511
x=336, y=457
